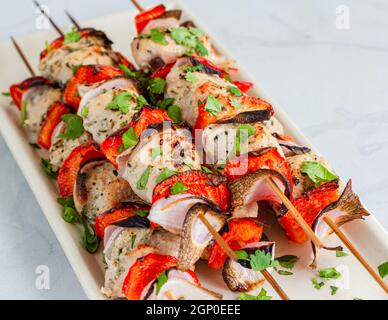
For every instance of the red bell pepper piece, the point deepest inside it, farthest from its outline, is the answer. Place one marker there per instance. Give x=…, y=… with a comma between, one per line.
x=68, y=173
x=87, y=75
x=115, y=215
x=143, y=271
x=163, y=71
x=270, y=159
x=244, y=86
x=249, y=104
x=17, y=90
x=241, y=231
x=213, y=188
x=142, y=19
x=111, y=146
x=309, y=206
x=124, y=61
x=53, y=118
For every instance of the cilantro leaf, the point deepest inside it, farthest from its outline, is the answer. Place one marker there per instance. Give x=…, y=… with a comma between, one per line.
x=235, y=103
x=329, y=273
x=317, y=285
x=72, y=36
x=6, y=94
x=156, y=152
x=287, y=261
x=160, y=281
x=121, y=102
x=164, y=104
x=383, y=269
x=261, y=261
x=85, y=112
x=48, y=168
x=235, y=91
x=74, y=127
x=175, y=113
x=242, y=255
x=165, y=174
x=158, y=37
x=143, y=180
x=334, y=290
x=339, y=254
x=261, y=296
x=129, y=138
x=141, y=213
x=206, y=169
x=317, y=172
x=140, y=102
x=90, y=238
x=177, y=188
x=157, y=85
x=190, y=77
x=70, y=215
x=213, y=105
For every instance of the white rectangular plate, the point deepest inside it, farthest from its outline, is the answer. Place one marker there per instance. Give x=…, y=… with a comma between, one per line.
x=369, y=236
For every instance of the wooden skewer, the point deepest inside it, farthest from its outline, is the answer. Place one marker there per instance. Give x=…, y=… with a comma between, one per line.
x=137, y=5
x=355, y=252
x=295, y=214
x=73, y=21
x=48, y=17
x=21, y=54
x=231, y=254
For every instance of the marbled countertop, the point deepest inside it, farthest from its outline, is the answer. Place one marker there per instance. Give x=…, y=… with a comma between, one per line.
x=332, y=82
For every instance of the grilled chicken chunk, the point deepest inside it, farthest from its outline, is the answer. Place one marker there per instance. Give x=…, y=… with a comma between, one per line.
x=59, y=64
x=166, y=242
x=100, y=112
x=163, y=148
x=98, y=189
x=37, y=101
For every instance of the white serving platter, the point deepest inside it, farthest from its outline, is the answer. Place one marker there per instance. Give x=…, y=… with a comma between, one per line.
x=368, y=236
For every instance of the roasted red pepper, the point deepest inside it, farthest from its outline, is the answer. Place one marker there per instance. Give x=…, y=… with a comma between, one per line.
x=124, y=61
x=53, y=118
x=112, y=146
x=87, y=75
x=115, y=215
x=309, y=206
x=142, y=19
x=244, y=86
x=68, y=173
x=250, y=108
x=17, y=90
x=222, y=71
x=163, y=71
x=144, y=271
x=212, y=187
x=241, y=231
x=268, y=159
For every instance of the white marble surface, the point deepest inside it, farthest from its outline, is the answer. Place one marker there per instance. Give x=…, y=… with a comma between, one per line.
x=331, y=82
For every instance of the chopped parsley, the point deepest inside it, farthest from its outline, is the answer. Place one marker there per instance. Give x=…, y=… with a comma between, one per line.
x=74, y=127
x=178, y=187
x=72, y=36
x=261, y=261
x=317, y=285
x=190, y=38
x=164, y=104
x=339, y=254
x=140, y=102
x=85, y=112
x=165, y=174
x=329, y=273
x=317, y=172
x=6, y=94
x=48, y=168
x=242, y=255
x=261, y=296
x=90, y=238
x=129, y=138
x=158, y=37
x=156, y=152
x=213, y=105
x=287, y=261
x=235, y=91
x=121, y=102
x=157, y=85
x=160, y=281
x=141, y=213
x=143, y=180
x=175, y=113
x=383, y=269
x=70, y=214
x=334, y=290
x=190, y=77
x=235, y=103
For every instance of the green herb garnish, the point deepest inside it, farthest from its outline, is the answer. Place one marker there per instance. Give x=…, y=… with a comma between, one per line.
x=23, y=113
x=178, y=187
x=141, y=213
x=6, y=94
x=235, y=103
x=334, y=290
x=160, y=281
x=235, y=91
x=74, y=127
x=140, y=102
x=142, y=182
x=121, y=102
x=72, y=36
x=175, y=113
x=329, y=273
x=158, y=37
x=317, y=172
x=317, y=285
x=287, y=261
x=90, y=238
x=48, y=168
x=157, y=85
x=165, y=174
x=339, y=254
x=383, y=269
x=261, y=261
x=213, y=105
x=261, y=296
x=129, y=138
x=85, y=112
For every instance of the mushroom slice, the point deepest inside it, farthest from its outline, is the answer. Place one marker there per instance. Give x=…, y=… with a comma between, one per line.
x=291, y=148
x=98, y=189
x=239, y=276
x=121, y=261
x=347, y=208
x=255, y=187
x=195, y=235
x=170, y=212
x=179, y=289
